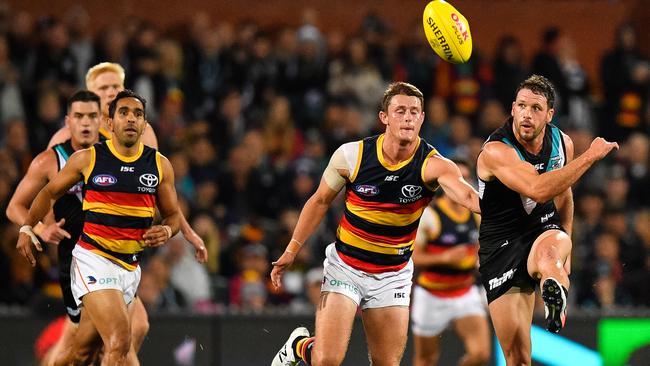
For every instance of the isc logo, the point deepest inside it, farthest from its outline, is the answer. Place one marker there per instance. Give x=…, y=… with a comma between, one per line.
x=104, y=180
x=128, y=169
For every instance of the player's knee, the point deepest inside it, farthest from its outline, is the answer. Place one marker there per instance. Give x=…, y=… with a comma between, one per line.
x=82, y=356
x=326, y=359
x=517, y=356
x=478, y=357
x=426, y=360
x=119, y=344
x=384, y=361
x=140, y=326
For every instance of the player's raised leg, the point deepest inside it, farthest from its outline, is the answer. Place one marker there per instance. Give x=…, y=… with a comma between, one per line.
x=547, y=263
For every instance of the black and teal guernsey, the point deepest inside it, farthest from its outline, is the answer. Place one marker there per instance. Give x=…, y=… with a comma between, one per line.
x=383, y=206
x=510, y=222
x=68, y=207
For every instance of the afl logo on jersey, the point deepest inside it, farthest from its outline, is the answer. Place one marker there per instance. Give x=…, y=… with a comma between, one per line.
x=411, y=191
x=148, y=180
x=366, y=189
x=104, y=180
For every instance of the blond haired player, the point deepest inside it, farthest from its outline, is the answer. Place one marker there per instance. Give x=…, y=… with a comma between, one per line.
x=389, y=179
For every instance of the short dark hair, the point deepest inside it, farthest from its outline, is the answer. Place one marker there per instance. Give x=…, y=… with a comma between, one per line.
x=83, y=96
x=398, y=88
x=539, y=85
x=126, y=93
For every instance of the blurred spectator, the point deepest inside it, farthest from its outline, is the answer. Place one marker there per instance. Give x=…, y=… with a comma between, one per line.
x=625, y=73
x=55, y=66
x=187, y=275
x=228, y=125
x=607, y=272
x=248, y=287
x=284, y=142
x=155, y=289
x=436, y=127
x=111, y=47
x=547, y=63
x=47, y=120
x=578, y=111
x=463, y=85
x=77, y=20
x=508, y=69
x=11, y=102
x=636, y=282
x=16, y=148
x=636, y=152
x=491, y=116
x=357, y=78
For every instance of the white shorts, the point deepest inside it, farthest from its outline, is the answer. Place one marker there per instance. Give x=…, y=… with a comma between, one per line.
x=369, y=290
x=431, y=314
x=91, y=272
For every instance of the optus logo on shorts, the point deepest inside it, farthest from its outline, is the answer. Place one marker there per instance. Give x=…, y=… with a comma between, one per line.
x=102, y=281
x=344, y=284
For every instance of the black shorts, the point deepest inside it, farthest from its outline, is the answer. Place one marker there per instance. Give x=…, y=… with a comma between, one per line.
x=65, y=260
x=504, y=263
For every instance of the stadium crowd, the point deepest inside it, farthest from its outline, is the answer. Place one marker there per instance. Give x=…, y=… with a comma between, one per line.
x=249, y=115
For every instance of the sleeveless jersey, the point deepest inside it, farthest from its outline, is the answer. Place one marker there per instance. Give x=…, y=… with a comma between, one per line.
x=450, y=229
x=68, y=207
x=507, y=214
x=383, y=206
x=119, y=202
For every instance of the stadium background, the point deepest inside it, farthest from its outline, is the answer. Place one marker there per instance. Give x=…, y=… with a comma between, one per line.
x=249, y=98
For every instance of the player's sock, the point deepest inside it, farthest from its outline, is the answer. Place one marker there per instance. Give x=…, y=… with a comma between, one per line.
x=303, y=347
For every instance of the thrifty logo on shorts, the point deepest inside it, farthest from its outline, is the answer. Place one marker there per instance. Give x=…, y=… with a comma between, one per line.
x=345, y=285
x=498, y=281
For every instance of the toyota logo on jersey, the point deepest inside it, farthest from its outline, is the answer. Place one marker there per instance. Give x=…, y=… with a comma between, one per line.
x=148, y=180
x=410, y=191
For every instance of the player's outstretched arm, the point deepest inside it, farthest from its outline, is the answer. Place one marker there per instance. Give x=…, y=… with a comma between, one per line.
x=501, y=161
x=310, y=217
x=167, y=203
x=200, y=251
x=72, y=173
x=451, y=180
x=34, y=180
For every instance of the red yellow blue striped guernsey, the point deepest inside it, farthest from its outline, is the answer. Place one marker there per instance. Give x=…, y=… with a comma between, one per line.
x=119, y=202
x=383, y=206
x=448, y=230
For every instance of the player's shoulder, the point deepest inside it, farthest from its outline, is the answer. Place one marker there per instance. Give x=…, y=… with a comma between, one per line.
x=44, y=161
